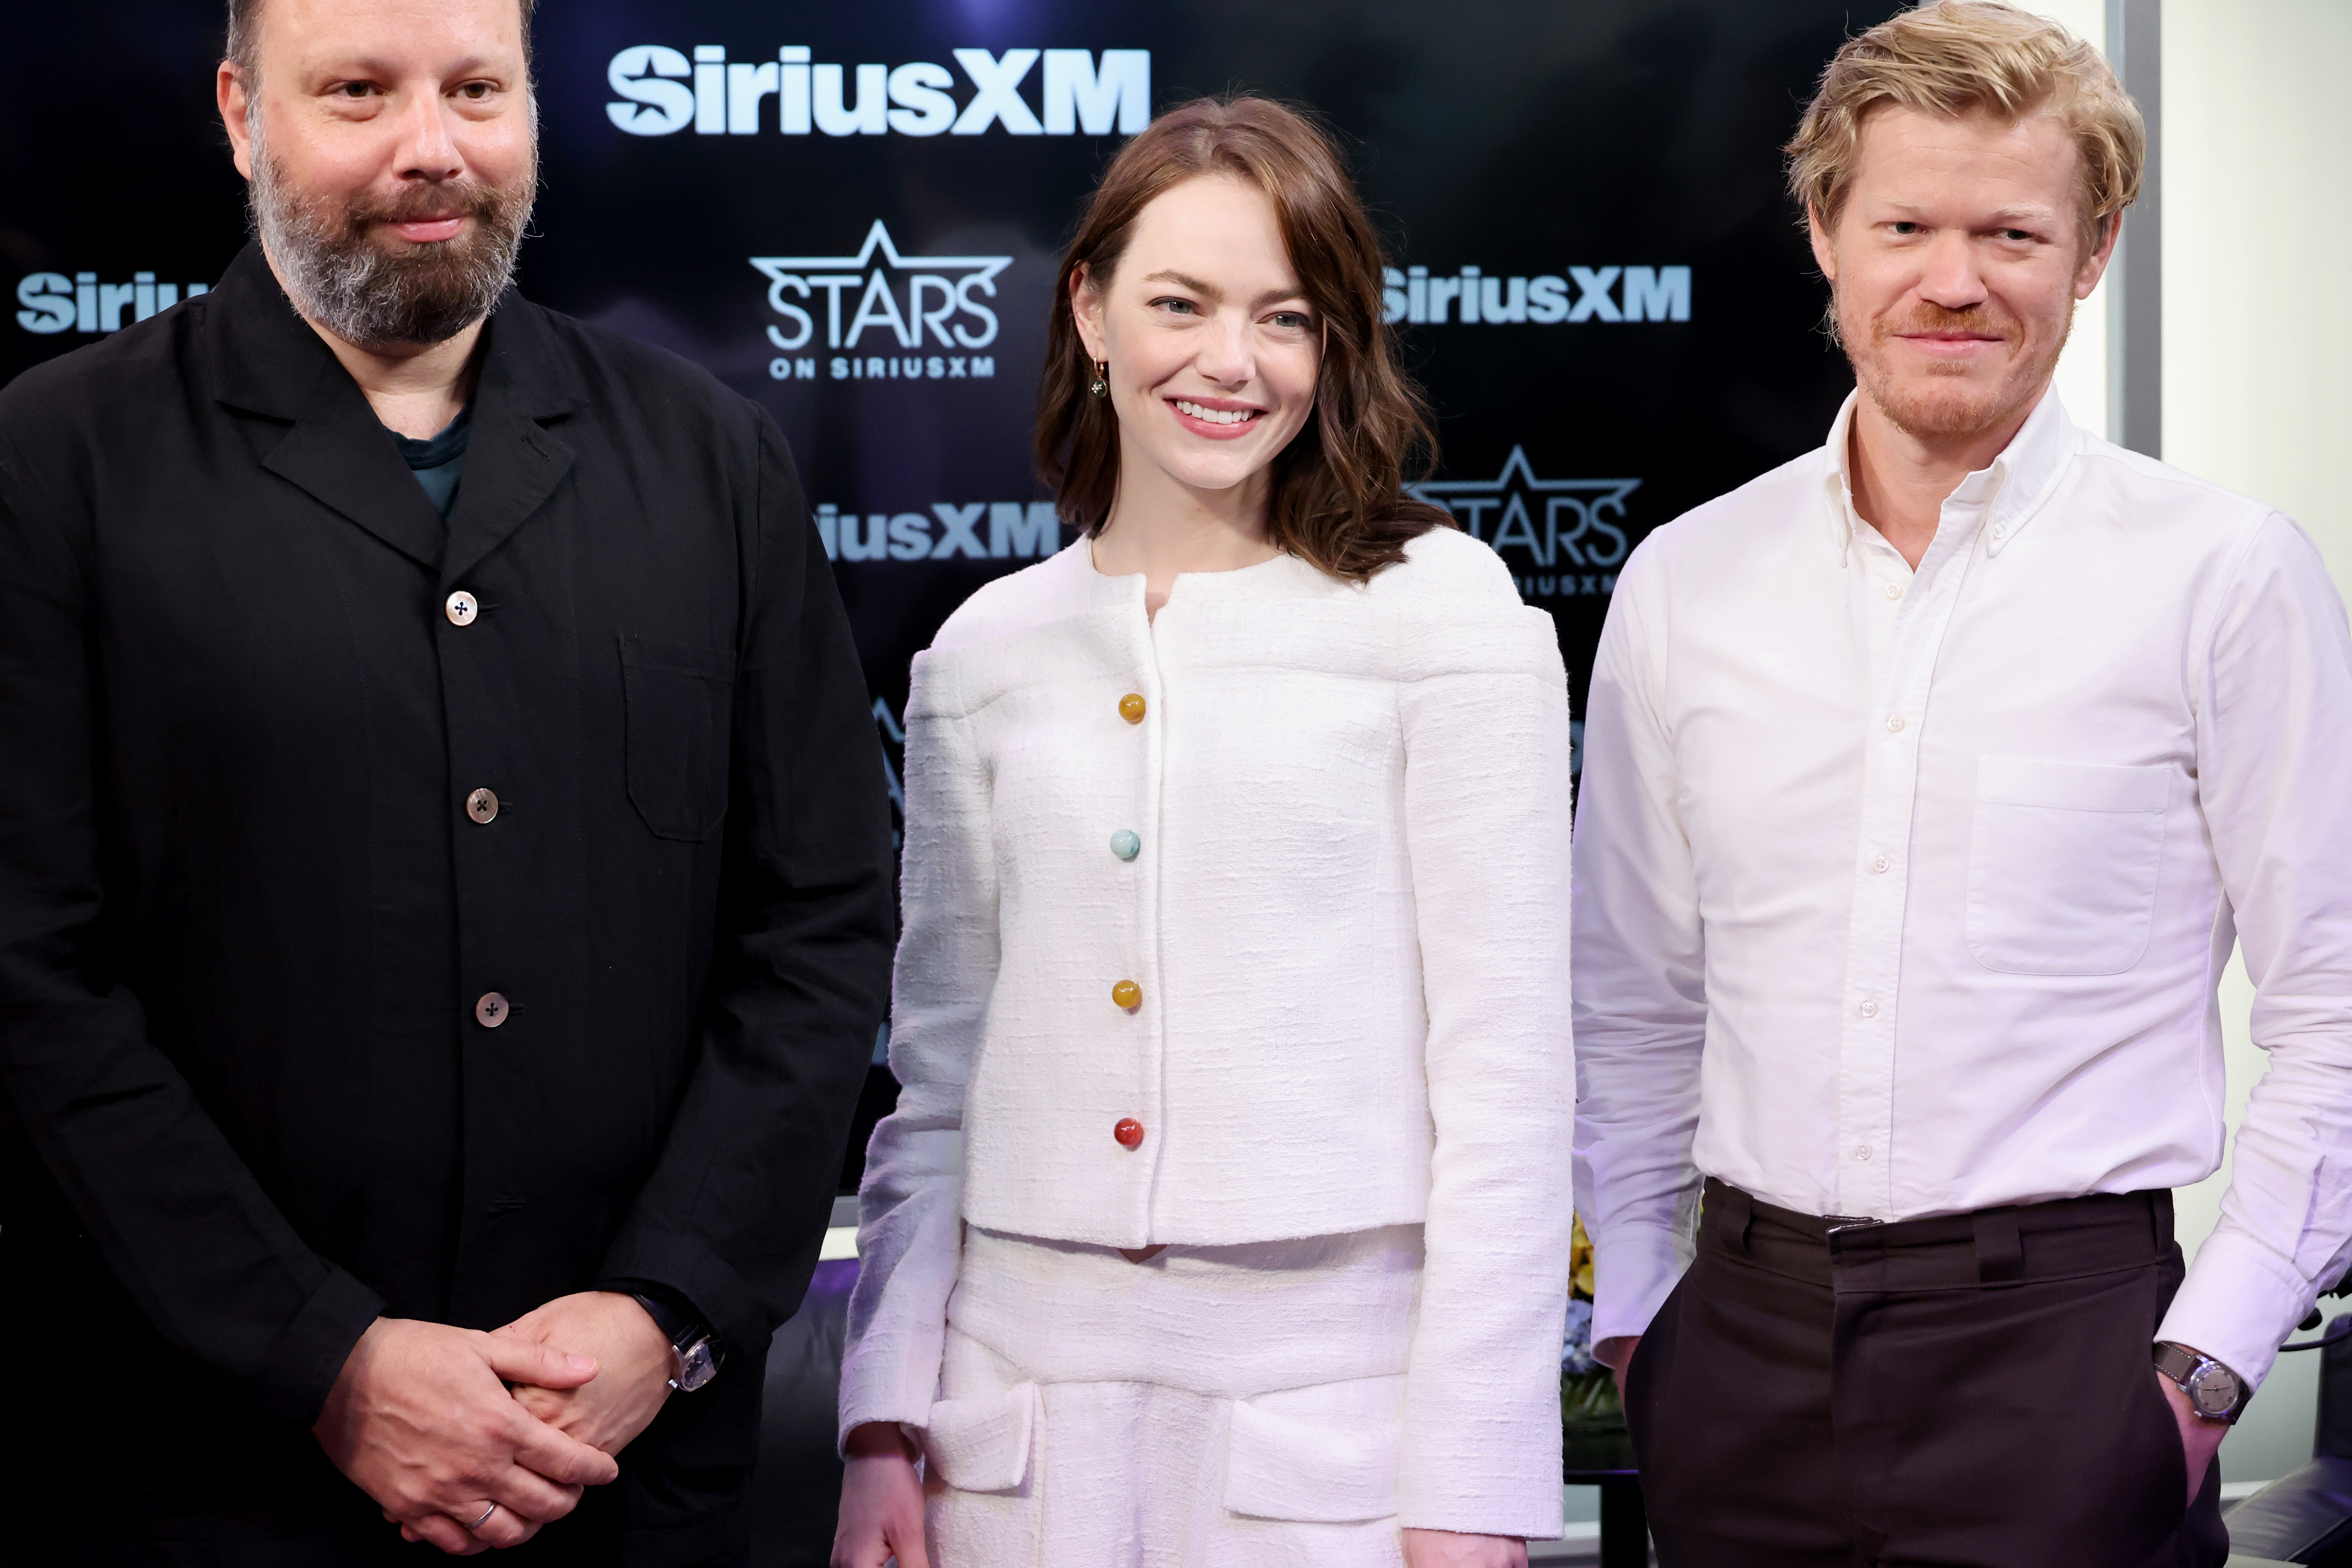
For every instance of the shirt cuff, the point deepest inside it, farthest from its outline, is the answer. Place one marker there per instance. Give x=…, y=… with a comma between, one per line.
x=1634, y=1268
x=877, y=1385
x=1499, y=1474
x=2239, y=1303
x=310, y=1353
x=692, y=1273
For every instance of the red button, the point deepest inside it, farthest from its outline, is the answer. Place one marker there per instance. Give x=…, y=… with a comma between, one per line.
x=1129, y=1133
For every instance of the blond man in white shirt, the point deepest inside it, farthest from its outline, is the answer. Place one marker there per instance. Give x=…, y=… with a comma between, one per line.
x=1928, y=780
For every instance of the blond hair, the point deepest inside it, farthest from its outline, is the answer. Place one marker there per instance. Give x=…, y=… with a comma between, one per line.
x=1957, y=57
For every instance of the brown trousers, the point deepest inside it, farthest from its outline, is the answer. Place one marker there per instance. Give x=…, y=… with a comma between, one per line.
x=1972, y=1391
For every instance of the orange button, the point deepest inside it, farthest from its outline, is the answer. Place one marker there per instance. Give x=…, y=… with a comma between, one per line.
x=1130, y=708
x=1127, y=995
x=1130, y=1132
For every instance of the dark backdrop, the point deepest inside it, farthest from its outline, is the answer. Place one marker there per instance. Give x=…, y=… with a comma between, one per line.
x=1610, y=164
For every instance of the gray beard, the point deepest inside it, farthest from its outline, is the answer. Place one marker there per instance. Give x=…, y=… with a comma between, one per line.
x=338, y=276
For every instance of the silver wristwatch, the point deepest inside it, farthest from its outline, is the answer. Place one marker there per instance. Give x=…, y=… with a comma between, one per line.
x=697, y=1362
x=2215, y=1393
x=694, y=1352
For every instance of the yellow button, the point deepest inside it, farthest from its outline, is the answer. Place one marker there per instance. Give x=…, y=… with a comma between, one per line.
x=1130, y=708
x=1127, y=995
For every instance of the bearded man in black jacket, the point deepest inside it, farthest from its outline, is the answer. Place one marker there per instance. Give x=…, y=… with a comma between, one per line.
x=444, y=873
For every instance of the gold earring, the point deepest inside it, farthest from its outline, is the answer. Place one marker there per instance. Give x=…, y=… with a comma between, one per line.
x=1102, y=371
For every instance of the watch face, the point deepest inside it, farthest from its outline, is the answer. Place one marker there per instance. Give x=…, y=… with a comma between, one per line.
x=697, y=1367
x=2213, y=1391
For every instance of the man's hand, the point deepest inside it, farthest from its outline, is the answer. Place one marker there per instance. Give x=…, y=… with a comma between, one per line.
x=421, y=1421
x=881, y=1503
x=633, y=1362
x=1617, y=1354
x=1445, y=1549
x=2200, y=1440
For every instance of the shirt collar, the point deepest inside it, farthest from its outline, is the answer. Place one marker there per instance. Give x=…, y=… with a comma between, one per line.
x=2000, y=498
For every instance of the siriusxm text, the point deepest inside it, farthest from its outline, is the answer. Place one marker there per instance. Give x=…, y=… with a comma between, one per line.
x=795, y=95
x=55, y=303
x=980, y=531
x=1585, y=294
x=898, y=368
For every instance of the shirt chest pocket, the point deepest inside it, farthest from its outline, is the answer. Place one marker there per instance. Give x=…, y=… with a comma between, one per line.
x=679, y=703
x=2063, y=863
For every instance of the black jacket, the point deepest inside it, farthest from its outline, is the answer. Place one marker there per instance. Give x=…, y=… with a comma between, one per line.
x=245, y=916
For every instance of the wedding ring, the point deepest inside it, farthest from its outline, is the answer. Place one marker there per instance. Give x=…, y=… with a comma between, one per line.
x=485, y=1519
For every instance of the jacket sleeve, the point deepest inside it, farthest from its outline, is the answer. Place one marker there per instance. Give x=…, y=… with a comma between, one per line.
x=2273, y=756
x=736, y=1206
x=155, y=1184
x=1641, y=999
x=1485, y=724
x=909, y=1236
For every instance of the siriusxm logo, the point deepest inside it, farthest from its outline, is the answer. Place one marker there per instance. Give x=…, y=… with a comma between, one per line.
x=1599, y=294
x=53, y=303
x=729, y=96
x=1014, y=530
x=1561, y=538
x=879, y=298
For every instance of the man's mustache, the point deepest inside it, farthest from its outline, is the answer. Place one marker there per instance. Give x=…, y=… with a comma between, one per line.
x=1927, y=317
x=425, y=204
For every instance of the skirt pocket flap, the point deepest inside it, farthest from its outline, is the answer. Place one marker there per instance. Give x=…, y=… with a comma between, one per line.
x=983, y=1445
x=1325, y=1456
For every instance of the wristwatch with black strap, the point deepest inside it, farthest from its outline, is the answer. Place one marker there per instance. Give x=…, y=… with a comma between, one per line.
x=2215, y=1393
x=694, y=1352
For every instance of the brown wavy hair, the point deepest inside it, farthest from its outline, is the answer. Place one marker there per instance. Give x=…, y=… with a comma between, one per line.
x=1338, y=490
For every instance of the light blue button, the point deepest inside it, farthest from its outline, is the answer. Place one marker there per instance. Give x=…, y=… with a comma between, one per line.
x=1126, y=845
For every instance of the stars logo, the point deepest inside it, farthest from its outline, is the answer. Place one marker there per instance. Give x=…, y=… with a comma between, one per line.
x=1569, y=531
x=940, y=305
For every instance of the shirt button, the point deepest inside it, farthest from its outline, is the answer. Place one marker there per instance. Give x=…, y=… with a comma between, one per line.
x=1881, y=863
x=1869, y=1008
x=1126, y=845
x=1894, y=724
x=491, y=1010
x=1128, y=1131
x=1130, y=708
x=2001, y=531
x=1861, y=1151
x=1894, y=590
x=482, y=805
x=461, y=609
x=1127, y=995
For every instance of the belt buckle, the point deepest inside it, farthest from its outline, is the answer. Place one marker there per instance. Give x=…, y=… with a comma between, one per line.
x=1838, y=1222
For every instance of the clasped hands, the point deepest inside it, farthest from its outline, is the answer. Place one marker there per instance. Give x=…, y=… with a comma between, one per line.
x=423, y=1418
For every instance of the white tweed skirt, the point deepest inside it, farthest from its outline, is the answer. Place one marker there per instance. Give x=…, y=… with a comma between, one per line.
x=1213, y=1408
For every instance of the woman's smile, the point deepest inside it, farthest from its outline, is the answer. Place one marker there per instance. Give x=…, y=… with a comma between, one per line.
x=1219, y=419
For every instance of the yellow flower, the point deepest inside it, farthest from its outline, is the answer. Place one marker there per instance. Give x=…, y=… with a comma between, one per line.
x=1580, y=1262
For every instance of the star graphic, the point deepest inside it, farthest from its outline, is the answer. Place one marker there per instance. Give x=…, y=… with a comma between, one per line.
x=1575, y=528
x=878, y=305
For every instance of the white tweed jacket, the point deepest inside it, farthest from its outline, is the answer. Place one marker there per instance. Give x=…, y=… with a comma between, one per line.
x=1343, y=912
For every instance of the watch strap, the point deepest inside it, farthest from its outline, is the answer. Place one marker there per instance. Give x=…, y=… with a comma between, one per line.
x=677, y=1325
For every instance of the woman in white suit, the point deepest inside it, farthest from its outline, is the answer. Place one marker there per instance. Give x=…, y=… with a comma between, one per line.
x=1223, y=1218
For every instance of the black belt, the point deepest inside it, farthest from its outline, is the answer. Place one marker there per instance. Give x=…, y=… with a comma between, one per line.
x=2065, y=1238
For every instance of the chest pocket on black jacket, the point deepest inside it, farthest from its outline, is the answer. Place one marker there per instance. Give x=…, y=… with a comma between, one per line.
x=679, y=702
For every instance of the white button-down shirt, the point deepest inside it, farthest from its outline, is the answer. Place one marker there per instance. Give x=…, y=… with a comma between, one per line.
x=1905, y=893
